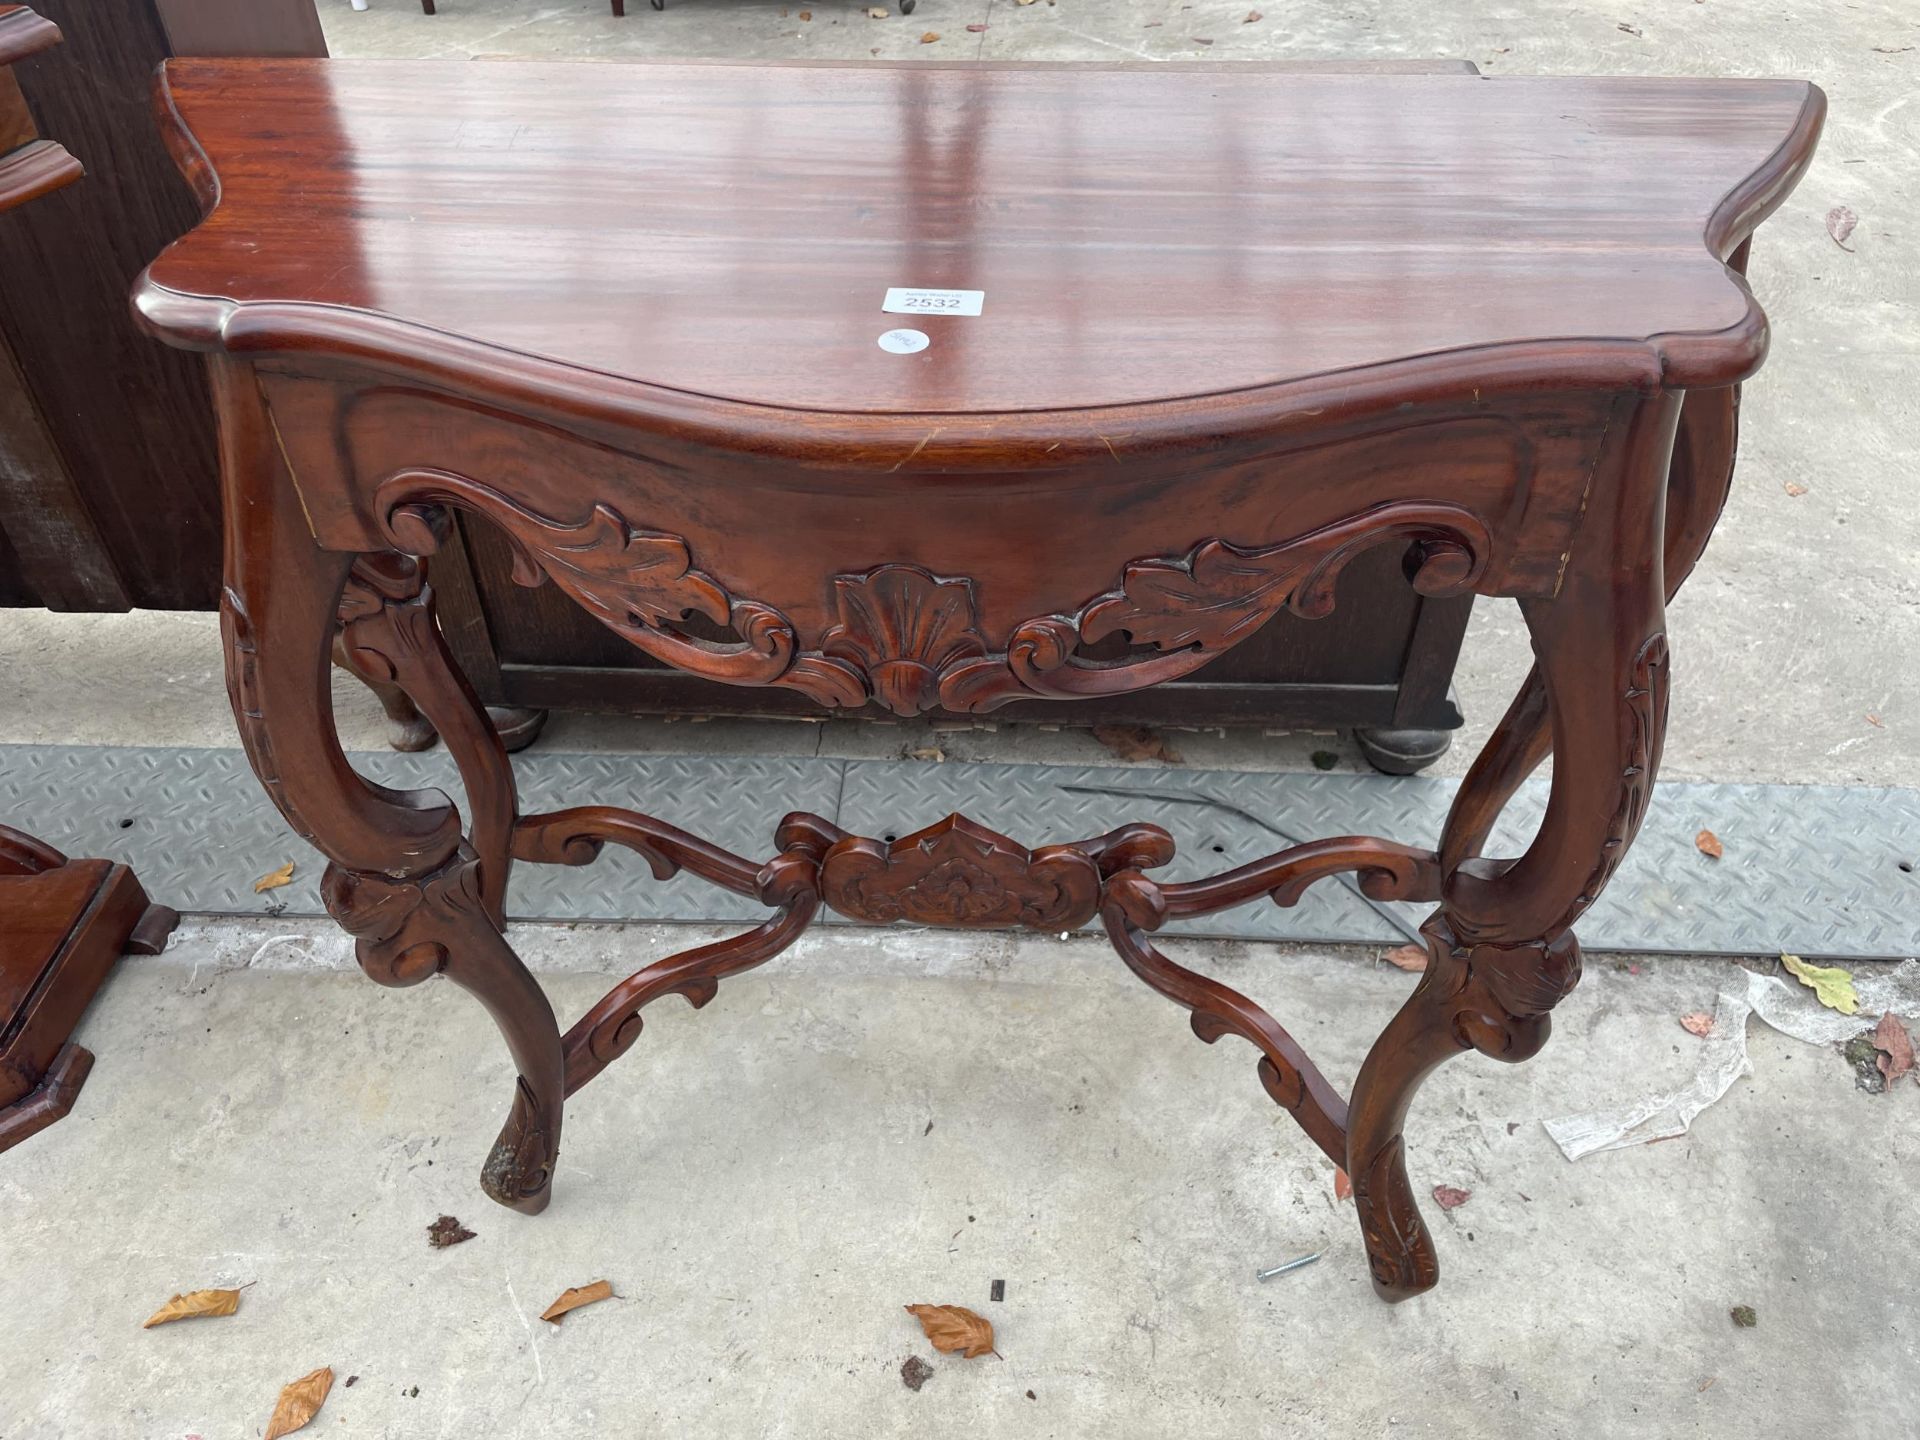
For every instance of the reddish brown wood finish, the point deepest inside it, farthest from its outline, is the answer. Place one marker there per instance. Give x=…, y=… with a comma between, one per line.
x=62, y=922
x=29, y=166
x=1240, y=327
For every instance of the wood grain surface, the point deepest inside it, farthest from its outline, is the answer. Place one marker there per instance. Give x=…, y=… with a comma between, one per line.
x=1142, y=233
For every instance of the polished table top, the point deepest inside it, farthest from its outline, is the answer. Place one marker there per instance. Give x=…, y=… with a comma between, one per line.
x=1140, y=233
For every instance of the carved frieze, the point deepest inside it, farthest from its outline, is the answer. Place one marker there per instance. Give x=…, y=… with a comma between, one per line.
x=911, y=640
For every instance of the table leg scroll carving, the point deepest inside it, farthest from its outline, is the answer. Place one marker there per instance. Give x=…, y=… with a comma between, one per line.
x=789, y=883
x=1137, y=904
x=401, y=879
x=438, y=923
x=389, y=631
x=1501, y=949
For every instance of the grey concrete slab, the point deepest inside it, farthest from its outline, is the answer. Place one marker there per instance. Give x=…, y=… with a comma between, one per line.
x=759, y=1182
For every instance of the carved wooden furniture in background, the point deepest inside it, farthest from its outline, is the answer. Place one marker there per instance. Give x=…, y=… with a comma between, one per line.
x=62, y=925
x=1239, y=328
x=62, y=922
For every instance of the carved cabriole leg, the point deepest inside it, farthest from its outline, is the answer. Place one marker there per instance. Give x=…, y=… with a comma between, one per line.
x=401, y=880
x=389, y=632
x=1699, y=479
x=1501, y=951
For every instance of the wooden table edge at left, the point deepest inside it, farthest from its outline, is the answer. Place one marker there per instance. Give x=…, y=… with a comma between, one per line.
x=63, y=922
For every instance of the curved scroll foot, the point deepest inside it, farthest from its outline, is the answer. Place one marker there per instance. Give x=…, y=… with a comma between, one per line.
x=1490, y=998
x=519, y=1169
x=409, y=930
x=151, y=930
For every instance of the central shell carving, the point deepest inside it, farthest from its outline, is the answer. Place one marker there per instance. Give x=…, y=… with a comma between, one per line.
x=902, y=627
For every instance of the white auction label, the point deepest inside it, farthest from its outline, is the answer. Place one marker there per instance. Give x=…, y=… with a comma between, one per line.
x=904, y=342
x=904, y=301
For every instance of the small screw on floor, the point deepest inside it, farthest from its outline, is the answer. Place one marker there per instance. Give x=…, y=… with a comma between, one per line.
x=1303, y=1261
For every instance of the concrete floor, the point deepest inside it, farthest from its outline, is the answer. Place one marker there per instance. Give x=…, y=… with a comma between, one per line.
x=759, y=1182
x=755, y=1180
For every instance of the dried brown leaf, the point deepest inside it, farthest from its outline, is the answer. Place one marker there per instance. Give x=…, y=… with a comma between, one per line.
x=1699, y=1022
x=447, y=1231
x=1895, y=1045
x=1135, y=743
x=274, y=879
x=976, y=28
x=1794, y=489
x=806, y=15
x=1875, y=721
x=573, y=1299
x=955, y=1329
x=1708, y=844
x=929, y=37
x=1411, y=958
x=1254, y=17
x=915, y=1372
x=195, y=1305
x=300, y=1400
x=1840, y=223
x=1342, y=1186
x=1450, y=1197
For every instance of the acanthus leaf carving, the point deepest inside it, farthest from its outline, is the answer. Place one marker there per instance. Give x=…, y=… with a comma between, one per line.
x=1220, y=593
x=638, y=583
x=912, y=640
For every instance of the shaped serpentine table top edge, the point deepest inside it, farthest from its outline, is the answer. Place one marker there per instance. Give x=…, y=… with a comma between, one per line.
x=1165, y=253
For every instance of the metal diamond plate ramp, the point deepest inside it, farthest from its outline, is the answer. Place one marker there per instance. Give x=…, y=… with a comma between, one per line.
x=1817, y=870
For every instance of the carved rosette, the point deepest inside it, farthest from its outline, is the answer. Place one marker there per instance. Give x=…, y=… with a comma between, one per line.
x=399, y=924
x=912, y=640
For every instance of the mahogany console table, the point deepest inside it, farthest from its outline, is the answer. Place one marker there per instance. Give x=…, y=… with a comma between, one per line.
x=1234, y=327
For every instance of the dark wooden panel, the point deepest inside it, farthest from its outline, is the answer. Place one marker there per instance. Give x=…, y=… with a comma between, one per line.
x=130, y=417
x=14, y=590
x=57, y=558
x=242, y=27
x=1382, y=658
